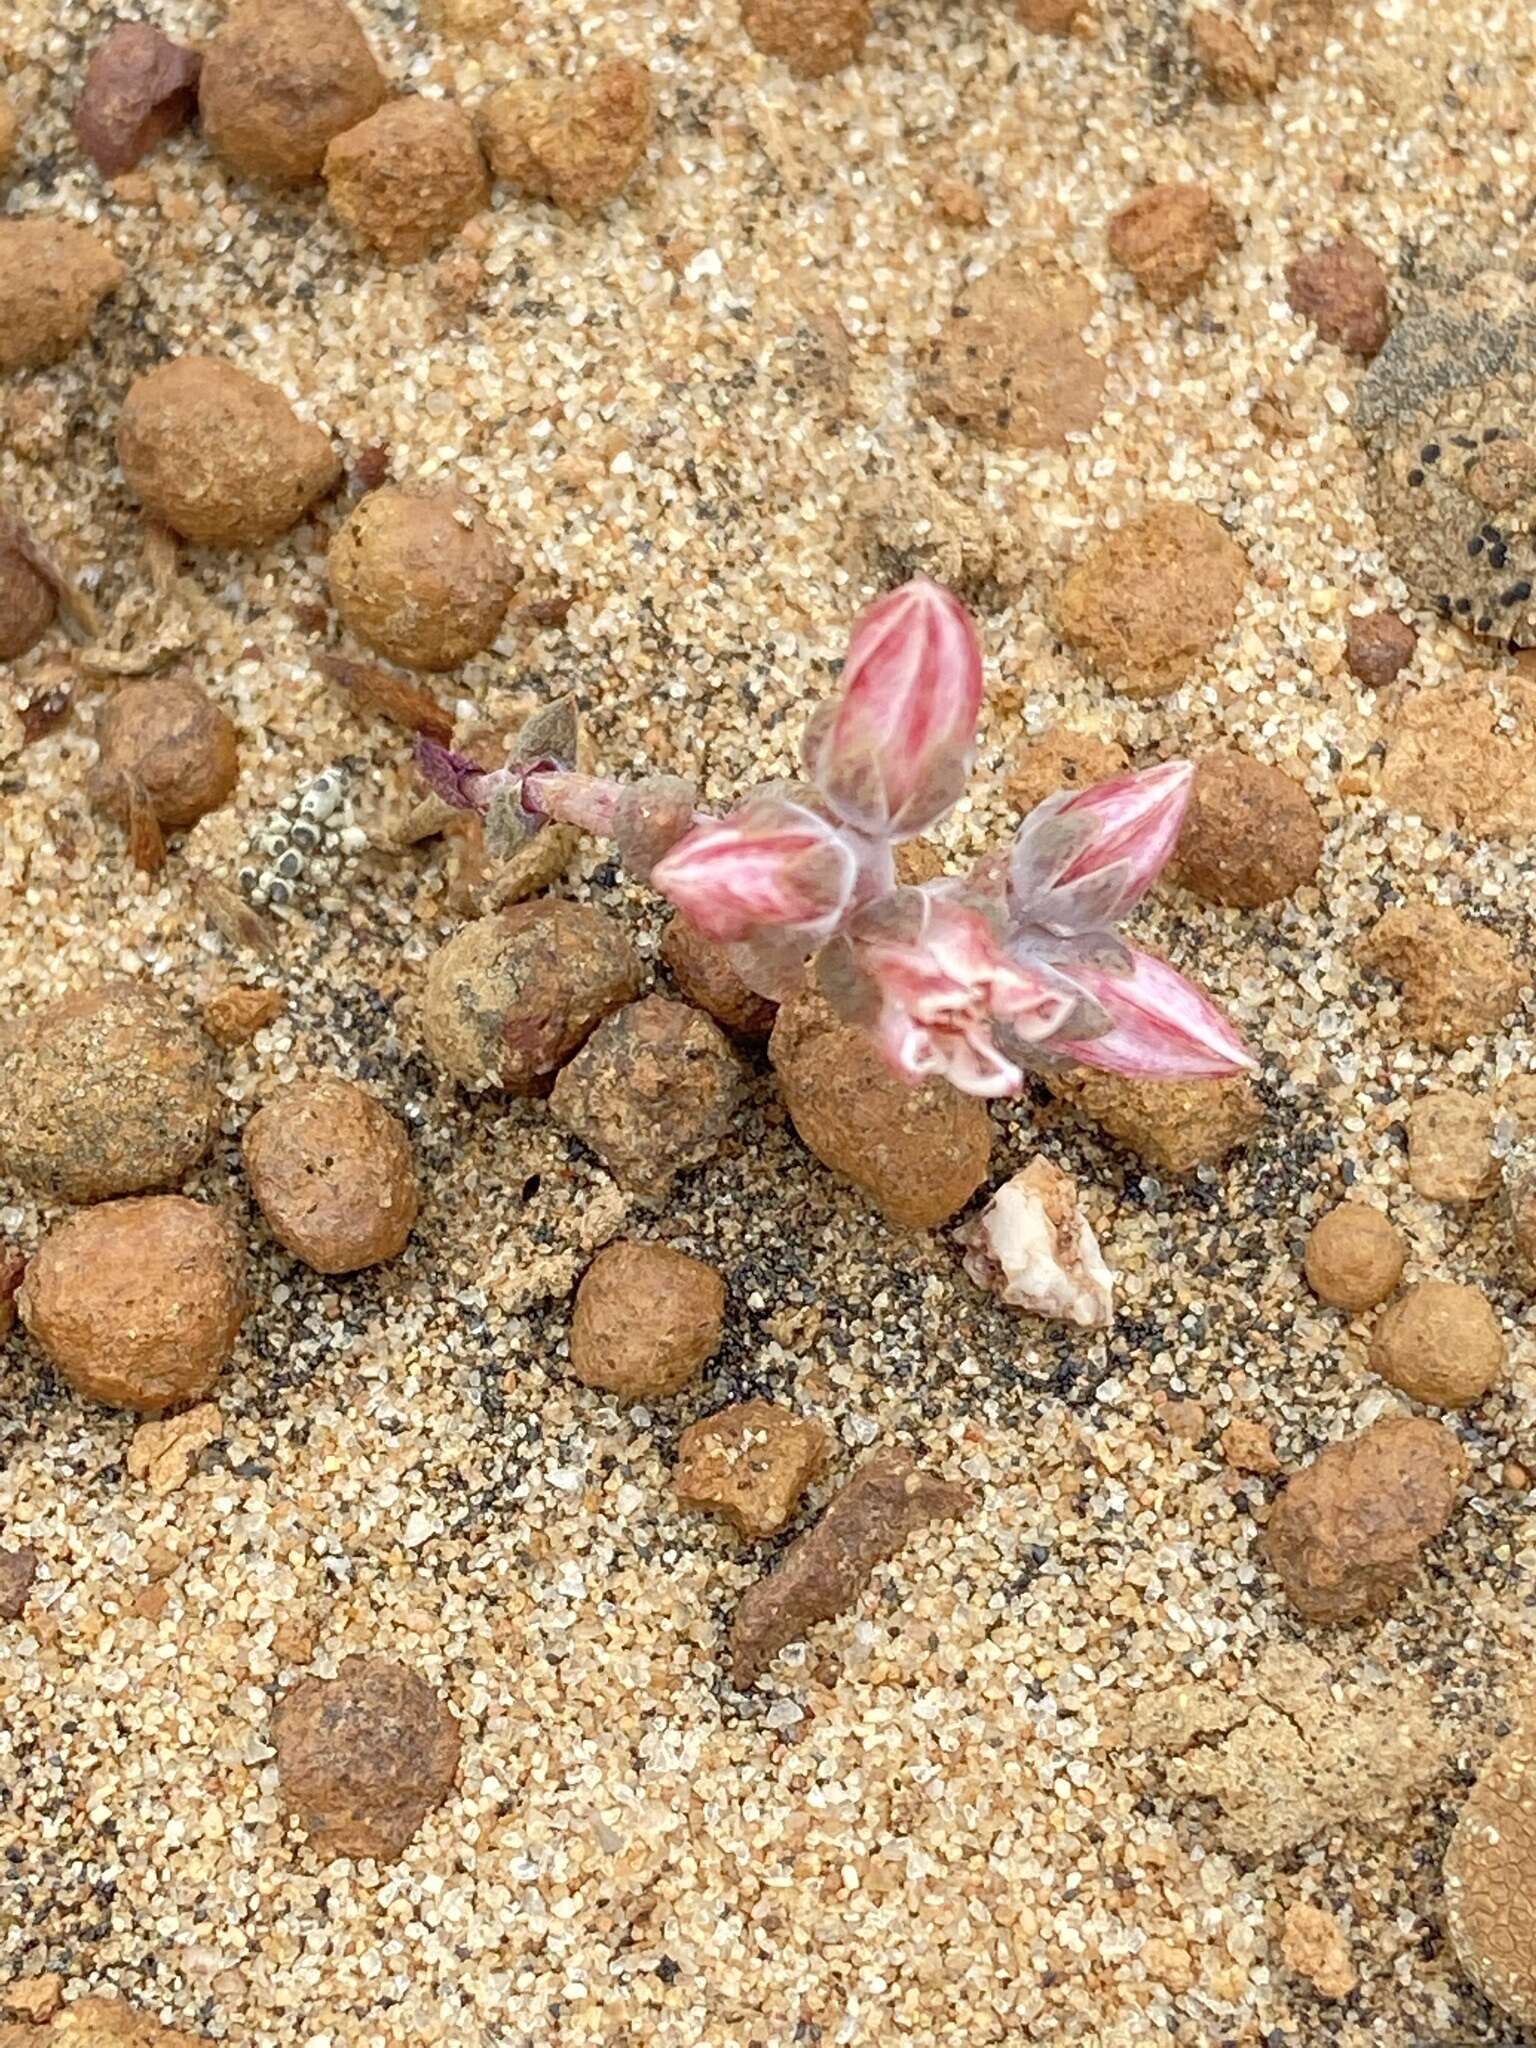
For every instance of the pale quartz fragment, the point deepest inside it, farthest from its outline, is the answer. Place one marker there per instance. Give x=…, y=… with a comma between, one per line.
x=1033, y=1248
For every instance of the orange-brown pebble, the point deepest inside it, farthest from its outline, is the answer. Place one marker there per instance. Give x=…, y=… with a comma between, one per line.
x=1342, y=289
x=282, y=79
x=750, y=1463
x=577, y=145
x=1152, y=599
x=28, y=599
x=1251, y=834
x=1377, y=648
x=422, y=575
x=1247, y=1446
x=333, y=1173
x=703, y=972
x=233, y=1016
x=1235, y=66
x=105, y=1092
x=1490, y=1879
x=1051, y=17
x=1317, y=1948
x=93, y=2022
x=53, y=276
x=1439, y=1343
x=362, y=1758
x=1174, y=1126
x=169, y=737
x=1458, y=979
x=218, y=455
x=408, y=178
x=1354, y=1257
x=646, y=1319
x=1450, y=1147
x=1063, y=759
x=1011, y=364
x=957, y=202
x=138, y=1303
x=1169, y=238
x=811, y=40
x=1347, y=1532
x=919, y=1153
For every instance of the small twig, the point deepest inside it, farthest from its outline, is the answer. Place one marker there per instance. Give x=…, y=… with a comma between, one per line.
x=393, y=696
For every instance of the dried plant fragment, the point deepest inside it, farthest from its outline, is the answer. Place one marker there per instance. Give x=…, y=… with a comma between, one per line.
x=1033, y=1247
x=392, y=696
x=140, y=87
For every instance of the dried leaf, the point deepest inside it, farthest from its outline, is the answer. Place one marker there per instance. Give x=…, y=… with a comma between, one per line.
x=392, y=696
x=546, y=611
x=233, y=918
x=44, y=713
x=371, y=468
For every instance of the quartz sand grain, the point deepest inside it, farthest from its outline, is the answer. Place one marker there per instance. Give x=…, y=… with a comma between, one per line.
x=929, y=1825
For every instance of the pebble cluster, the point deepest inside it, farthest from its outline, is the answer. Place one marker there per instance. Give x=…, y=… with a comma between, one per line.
x=305, y=843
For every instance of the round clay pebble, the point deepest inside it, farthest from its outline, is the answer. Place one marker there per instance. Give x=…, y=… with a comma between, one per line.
x=408, y=178
x=1354, y=1257
x=218, y=455
x=1149, y=601
x=422, y=576
x=646, y=1319
x=1251, y=835
x=510, y=998
x=362, y=1758
x=1439, y=1343
x=1490, y=1879
x=1169, y=237
x=106, y=1092
x=280, y=81
x=1342, y=289
x=53, y=276
x=28, y=601
x=812, y=41
x=575, y=144
x=1377, y=647
x=138, y=1303
x=652, y=1092
x=169, y=737
x=332, y=1172
x=703, y=972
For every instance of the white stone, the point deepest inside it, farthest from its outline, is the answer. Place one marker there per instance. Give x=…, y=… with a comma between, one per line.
x=1033, y=1248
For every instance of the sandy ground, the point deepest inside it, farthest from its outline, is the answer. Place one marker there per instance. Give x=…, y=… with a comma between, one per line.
x=929, y=1824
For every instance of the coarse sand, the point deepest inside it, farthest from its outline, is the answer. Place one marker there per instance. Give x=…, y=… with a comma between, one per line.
x=929, y=1823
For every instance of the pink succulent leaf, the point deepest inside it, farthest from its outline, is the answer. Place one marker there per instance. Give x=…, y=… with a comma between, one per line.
x=1089, y=856
x=892, y=753
x=772, y=865
x=1160, y=1027
x=942, y=984
x=457, y=779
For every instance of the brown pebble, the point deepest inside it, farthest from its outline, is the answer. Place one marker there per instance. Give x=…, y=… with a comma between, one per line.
x=28, y=598
x=1247, y=1446
x=750, y=1463
x=233, y=1016
x=510, y=998
x=646, y=1319
x=33, y=2000
x=577, y=145
x=1490, y=1879
x=1450, y=1147
x=12, y=1265
x=333, y=1173
x=18, y=1568
x=706, y=978
x=362, y=1758
x=1051, y=17
x=919, y=1153
x=1174, y=1126
x=1063, y=758
x=422, y=575
x=1342, y=289
x=1458, y=979
x=812, y=41
x=282, y=79
x=138, y=1303
x=219, y=456
x=168, y=736
x=1439, y=1343
x=408, y=178
x=53, y=276
x=94, y=2022
x=1169, y=238
x=1010, y=362
x=1251, y=835
x=1153, y=598
x=1346, y=1534
x=1235, y=67
x=1462, y=756
x=1317, y=1948
x=1354, y=1257
x=140, y=87
x=886, y=1500
x=43, y=714
x=1378, y=646
x=1522, y=1220
x=652, y=1092
x=106, y=1092
x=957, y=202
x=163, y=1455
